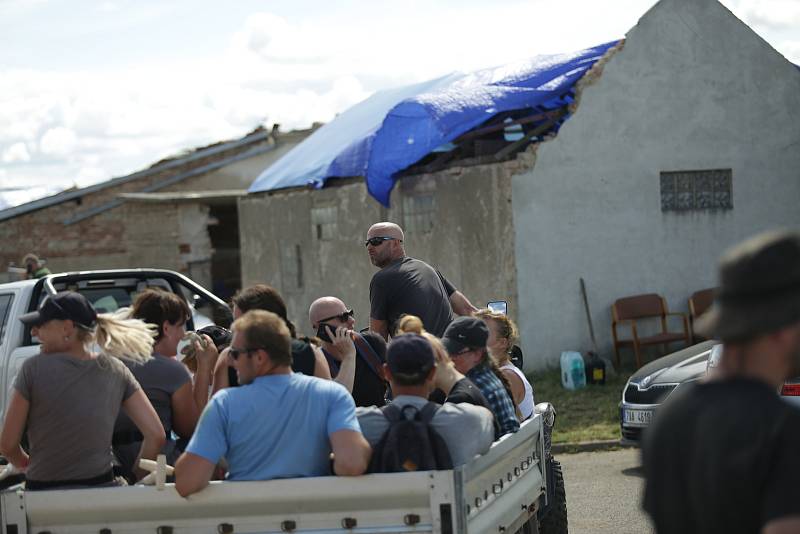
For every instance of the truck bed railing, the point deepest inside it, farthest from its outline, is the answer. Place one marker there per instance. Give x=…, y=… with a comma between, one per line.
x=498, y=489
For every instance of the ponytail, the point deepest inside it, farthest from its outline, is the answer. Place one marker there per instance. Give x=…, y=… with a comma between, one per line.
x=410, y=324
x=492, y=363
x=130, y=339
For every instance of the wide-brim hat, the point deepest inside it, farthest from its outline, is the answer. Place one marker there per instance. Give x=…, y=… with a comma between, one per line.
x=759, y=289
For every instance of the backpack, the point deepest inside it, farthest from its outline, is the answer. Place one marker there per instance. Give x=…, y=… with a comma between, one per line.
x=410, y=443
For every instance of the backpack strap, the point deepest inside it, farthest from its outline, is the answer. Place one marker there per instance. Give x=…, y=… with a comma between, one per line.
x=428, y=412
x=392, y=413
x=370, y=356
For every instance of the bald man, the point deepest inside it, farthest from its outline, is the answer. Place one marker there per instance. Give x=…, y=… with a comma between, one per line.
x=406, y=285
x=355, y=360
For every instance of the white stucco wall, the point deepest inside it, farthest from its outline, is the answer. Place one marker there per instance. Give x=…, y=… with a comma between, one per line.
x=693, y=88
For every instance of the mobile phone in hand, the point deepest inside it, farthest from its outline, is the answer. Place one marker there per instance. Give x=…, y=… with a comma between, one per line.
x=323, y=334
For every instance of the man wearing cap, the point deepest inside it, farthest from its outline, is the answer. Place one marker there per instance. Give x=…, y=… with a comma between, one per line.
x=722, y=454
x=407, y=286
x=410, y=367
x=278, y=424
x=355, y=360
x=465, y=340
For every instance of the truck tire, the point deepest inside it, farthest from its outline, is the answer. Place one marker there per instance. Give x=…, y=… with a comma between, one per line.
x=554, y=518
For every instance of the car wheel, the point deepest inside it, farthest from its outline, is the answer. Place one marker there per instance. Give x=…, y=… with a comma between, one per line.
x=553, y=519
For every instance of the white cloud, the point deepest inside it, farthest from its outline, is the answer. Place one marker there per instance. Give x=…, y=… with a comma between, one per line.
x=774, y=14
x=16, y=152
x=58, y=141
x=791, y=50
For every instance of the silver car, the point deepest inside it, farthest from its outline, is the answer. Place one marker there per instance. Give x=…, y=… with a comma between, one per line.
x=648, y=387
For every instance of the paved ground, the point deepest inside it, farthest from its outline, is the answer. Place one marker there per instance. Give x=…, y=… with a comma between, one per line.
x=604, y=492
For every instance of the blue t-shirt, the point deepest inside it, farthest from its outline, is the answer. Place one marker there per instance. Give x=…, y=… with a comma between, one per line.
x=276, y=427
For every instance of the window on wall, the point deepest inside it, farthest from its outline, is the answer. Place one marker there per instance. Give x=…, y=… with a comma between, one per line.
x=291, y=266
x=323, y=222
x=697, y=190
x=418, y=213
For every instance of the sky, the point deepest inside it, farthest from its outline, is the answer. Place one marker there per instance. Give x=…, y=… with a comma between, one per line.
x=94, y=90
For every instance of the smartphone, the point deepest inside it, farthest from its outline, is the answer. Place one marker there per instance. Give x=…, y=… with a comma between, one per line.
x=498, y=306
x=323, y=334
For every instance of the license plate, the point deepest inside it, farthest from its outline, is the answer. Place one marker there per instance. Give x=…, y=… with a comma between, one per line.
x=636, y=417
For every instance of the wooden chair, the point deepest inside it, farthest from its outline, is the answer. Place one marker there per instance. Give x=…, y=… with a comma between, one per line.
x=699, y=303
x=631, y=310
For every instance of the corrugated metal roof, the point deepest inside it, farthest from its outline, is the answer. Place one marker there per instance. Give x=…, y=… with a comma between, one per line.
x=65, y=196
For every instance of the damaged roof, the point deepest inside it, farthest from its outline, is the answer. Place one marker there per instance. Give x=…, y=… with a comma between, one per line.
x=396, y=128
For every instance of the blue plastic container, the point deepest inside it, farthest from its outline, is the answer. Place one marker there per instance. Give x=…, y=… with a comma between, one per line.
x=573, y=371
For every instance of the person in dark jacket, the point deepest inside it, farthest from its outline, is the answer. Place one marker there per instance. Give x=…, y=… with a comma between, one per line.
x=306, y=358
x=356, y=360
x=721, y=455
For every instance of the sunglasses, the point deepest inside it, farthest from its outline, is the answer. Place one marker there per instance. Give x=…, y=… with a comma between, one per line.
x=378, y=241
x=235, y=353
x=461, y=352
x=342, y=316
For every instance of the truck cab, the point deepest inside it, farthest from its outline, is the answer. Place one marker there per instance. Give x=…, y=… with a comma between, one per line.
x=108, y=291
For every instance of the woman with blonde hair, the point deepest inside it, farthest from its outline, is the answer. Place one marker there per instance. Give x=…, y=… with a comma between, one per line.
x=502, y=336
x=68, y=397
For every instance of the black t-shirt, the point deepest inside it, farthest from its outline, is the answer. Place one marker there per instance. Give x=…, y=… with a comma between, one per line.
x=465, y=391
x=722, y=456
x=303, y=361
x=368, y=388
x=414, y=287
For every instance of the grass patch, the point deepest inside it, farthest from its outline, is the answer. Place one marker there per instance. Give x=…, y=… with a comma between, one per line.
x=588, y=414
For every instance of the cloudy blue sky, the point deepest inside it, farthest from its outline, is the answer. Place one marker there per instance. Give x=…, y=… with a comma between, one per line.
x=94, y=90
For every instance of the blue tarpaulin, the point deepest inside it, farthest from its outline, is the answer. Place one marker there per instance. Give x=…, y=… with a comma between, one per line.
x=395, y=128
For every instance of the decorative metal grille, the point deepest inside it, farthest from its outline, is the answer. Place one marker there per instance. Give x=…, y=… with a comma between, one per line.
x=418, y=213
x=697, y=190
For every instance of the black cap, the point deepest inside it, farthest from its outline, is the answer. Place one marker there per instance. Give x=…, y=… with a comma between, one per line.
x=464, y=333
x=65, y=305
x=410, y=355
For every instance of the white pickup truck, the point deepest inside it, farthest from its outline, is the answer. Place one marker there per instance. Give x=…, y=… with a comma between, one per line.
x=107, y=291
x=515, y=487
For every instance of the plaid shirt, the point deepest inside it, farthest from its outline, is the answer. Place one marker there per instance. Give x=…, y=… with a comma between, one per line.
x=497, y=396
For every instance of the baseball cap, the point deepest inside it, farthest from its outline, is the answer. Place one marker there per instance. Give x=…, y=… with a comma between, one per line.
x=465, y=332
x=410, y=355
x=66, y=305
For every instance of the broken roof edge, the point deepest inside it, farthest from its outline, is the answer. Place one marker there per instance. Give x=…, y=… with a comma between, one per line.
x=332, y=181
x=72, y=193
x=593, y=75
x=381, y=182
